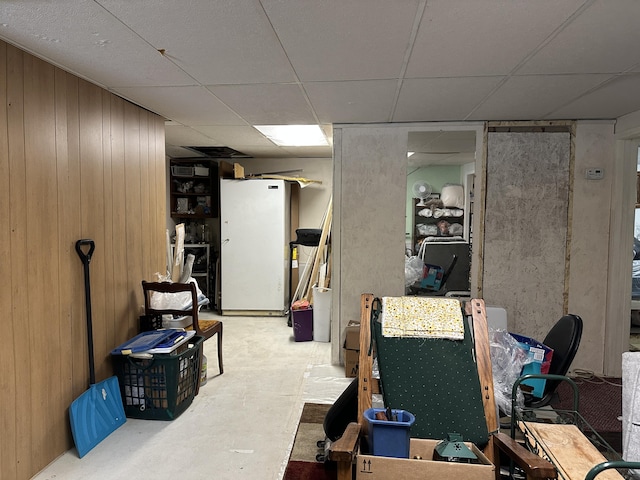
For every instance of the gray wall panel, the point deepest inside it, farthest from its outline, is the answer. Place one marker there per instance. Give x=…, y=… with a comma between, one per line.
x=526, y=227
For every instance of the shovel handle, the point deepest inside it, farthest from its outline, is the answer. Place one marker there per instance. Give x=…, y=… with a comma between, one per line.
x=85, y=257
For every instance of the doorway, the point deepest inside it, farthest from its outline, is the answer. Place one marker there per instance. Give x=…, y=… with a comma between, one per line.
x=439, y=207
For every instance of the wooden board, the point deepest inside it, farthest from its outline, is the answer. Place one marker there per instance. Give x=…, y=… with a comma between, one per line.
x=571, y=452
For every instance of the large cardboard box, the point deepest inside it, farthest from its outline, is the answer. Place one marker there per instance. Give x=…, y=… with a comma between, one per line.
x=351, y=349
x=369, y=467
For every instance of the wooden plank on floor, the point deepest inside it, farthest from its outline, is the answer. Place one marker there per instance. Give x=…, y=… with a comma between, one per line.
x=571, y=452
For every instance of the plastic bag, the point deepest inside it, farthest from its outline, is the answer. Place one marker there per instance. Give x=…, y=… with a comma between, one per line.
x=176, y=301
x=507, y=360
x=452, y=195
x=413, y=269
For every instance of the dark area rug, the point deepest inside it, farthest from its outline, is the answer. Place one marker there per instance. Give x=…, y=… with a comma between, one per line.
x=600, y=403
x=309, y=471
x=302, y=463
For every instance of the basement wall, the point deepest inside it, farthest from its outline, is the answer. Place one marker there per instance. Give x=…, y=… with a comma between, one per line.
x=369, y=215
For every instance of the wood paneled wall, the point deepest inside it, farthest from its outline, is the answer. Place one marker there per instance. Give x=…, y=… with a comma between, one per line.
x=75, y=162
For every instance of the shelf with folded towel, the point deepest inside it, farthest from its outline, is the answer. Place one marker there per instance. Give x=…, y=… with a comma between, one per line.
x=435, y=223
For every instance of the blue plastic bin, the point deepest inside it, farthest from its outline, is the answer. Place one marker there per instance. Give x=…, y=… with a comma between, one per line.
x=387, y=438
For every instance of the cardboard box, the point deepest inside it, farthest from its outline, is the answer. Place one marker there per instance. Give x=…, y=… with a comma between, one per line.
x=351, y=349
x=351, y=361
x=352, y=336
x=238, y=171
x=369, y=467
x=541, y=356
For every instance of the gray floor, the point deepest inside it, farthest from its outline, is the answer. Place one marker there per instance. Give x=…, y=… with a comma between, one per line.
x=242, y=423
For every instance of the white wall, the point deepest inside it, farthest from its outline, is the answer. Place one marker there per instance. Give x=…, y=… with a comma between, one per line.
x=590, y=223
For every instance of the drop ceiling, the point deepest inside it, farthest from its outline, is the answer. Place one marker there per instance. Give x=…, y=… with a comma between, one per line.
x=213, y=69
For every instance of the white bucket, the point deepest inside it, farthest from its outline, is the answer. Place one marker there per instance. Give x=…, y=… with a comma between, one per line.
x=203, y=371
x=321, y=314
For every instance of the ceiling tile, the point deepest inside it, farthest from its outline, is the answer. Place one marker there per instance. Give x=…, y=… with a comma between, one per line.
x=310, y=152
x=338, y=40
x=534, y=96
x=96, y=50
x=330, y=61
x=441, y=99
x=182, y=136
x=352, y=101
x=180, y=152
x=247, y=136
x=215, y=42
x=267, y=104
x=187, y=105
x=257, y=152
x=491, y=37
x=616, y=98
x=600, y=40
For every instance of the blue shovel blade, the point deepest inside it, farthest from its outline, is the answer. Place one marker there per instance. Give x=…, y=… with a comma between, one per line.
x=95, y=414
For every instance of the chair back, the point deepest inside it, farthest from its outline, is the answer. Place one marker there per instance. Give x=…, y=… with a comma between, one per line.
x=438, y=381
x=564, y=338
x=167, y=287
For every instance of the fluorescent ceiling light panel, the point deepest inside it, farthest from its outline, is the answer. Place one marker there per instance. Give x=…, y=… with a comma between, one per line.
x=294, y=135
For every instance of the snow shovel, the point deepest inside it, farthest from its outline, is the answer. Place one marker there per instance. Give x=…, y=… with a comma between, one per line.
x=98, y=411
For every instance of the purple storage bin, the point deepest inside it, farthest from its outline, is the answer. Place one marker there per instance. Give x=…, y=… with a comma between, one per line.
x=303, y=325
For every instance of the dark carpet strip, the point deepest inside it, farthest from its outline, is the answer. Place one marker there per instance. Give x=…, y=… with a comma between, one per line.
x=600, y=403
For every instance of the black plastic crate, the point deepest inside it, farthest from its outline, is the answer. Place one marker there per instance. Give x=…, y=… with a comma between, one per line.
x=160, y=387
x=150, y=322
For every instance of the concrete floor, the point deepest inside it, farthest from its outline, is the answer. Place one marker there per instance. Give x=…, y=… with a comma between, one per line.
x=242, y=423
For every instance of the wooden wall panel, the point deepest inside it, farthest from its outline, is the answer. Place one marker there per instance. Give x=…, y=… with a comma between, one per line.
x=133, y=200
x=7, y=359
x=145, y=189
x=119, y=240
x=161, y=190
x=19, y=309
x=110, y=337
x=70, y=232
x=42, y=279
x=67, y=170
x=92, y=213
x=75, y=162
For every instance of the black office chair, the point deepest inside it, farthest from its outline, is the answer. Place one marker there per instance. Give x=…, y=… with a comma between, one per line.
x=564, y=338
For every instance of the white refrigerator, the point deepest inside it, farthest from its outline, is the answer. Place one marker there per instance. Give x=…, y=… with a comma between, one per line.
x=254, y=246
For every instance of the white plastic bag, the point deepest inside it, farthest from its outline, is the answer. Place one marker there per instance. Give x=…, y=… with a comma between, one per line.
x=452, y=196
x=507, y=360
x=178, y=300
x=413, y=267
